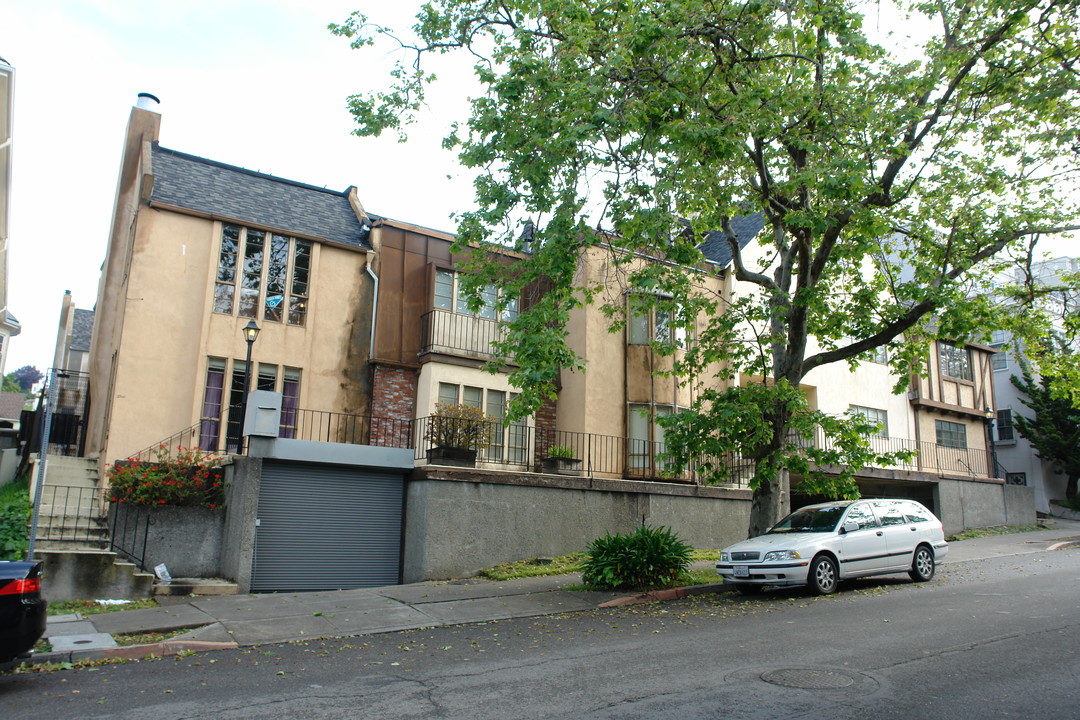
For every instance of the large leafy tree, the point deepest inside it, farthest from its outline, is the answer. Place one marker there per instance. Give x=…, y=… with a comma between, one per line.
x=1054, y=429
x=891, y=181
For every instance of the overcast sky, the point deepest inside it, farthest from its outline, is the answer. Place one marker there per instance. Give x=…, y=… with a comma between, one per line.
x=261, y=85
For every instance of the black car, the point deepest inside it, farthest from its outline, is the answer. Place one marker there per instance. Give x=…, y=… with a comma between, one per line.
x=22, y=609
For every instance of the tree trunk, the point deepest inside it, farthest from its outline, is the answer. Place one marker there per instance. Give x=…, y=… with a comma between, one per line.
x=1070, y=488
x=771, y=502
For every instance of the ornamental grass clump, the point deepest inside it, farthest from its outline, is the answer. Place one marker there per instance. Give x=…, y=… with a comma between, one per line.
x=187, y=478
x=646, y=558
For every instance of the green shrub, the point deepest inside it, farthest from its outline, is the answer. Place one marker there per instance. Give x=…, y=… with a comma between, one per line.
x=190, y=478
x=459, y=426
x=15, y=511
x=561, y=451
x=647, y=558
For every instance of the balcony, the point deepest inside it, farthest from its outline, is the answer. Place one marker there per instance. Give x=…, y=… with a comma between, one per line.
x=451, y=333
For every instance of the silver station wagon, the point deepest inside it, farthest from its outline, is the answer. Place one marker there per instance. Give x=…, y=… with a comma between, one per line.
x=820, y=545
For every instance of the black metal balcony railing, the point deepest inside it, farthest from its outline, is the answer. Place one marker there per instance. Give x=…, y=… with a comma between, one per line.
x=525, y=448
x=453, y=333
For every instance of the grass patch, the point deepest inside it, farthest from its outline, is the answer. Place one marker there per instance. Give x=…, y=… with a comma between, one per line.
x=126, y=639
x=974, y=533
x=535, y=567
x=90, y=607
x=570, y=563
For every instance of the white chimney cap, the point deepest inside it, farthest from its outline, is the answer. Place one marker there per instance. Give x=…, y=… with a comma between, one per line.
x=147, y=102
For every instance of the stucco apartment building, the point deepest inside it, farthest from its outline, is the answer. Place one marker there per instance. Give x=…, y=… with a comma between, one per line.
x=362, y=315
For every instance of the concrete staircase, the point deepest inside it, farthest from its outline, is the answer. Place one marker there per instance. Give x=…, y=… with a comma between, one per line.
x=71, y=515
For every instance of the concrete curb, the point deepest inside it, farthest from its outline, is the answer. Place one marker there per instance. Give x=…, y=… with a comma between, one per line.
x=662, y=595
x=166, y=648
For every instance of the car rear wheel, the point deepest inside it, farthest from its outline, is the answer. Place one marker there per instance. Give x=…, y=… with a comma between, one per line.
x=922, y=564
x=824, y=575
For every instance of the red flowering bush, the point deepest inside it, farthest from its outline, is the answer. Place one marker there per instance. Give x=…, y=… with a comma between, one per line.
x=188, y=478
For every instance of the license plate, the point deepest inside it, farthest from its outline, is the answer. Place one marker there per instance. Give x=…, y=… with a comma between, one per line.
x=742, y=571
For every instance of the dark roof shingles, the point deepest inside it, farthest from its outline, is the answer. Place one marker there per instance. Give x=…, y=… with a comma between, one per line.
x=228, y=192
x=745, y=227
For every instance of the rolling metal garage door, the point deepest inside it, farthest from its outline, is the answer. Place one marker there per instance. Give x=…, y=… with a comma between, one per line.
x=326, y=528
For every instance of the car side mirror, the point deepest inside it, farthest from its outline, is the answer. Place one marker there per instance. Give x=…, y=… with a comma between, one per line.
x=849, y=526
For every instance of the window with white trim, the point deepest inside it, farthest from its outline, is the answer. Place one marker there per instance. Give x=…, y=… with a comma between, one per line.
x=510, y=442
x=649, y=325
x=1004, y=426
x=645, y=436
x=450, y=295
x=874, y=415
x=999, y=341
x=258, y=269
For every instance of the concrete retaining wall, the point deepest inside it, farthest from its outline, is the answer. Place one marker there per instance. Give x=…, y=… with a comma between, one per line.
x=457, y=524
x=90, y=575
x=966, y=504
x=188, y=540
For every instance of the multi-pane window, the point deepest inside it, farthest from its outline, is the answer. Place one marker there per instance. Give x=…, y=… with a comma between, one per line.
x=1004, y=423
x=951, y=435
x=450, y=295
x=874, y=415
x=263, y=270
x=646, y=436
x=955, y=362
x=654, y=325
x=999, y=341
x=510, y=442
x=880, y=355
x=221, y=402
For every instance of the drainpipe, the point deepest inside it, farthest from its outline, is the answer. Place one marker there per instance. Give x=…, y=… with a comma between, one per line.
x=374, y=307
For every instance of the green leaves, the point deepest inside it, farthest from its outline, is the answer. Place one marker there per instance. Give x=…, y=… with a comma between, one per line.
x=646, y=558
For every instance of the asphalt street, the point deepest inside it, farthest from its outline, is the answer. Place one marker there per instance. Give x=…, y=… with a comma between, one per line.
x=991, y=638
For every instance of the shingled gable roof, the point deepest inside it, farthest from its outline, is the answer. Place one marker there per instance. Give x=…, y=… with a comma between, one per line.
x=226, y=192
x=716, y=247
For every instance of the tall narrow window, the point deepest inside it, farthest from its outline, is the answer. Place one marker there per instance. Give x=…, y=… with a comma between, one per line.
x=290, y=401
x=448, y=394
x=444, y=289
x=496, y=408
x=267, y=379
x=298, y=300
x=277, y=272
x=226, y=274
x=638, y=422
x=251, y=279
x=210, y=423
x=1005, y=426
x=234, y=422
x=472, y=396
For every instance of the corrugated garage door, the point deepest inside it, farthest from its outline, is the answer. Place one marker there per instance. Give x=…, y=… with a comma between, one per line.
x=326, y=528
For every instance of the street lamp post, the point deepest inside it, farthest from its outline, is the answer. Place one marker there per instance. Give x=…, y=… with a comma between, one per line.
x=993, y=447
x=251, y=331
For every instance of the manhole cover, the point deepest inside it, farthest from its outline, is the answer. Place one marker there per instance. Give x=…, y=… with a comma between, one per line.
x=808, y=679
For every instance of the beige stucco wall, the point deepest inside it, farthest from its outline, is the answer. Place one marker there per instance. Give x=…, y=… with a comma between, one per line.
x=616, y=372
x=169, y=331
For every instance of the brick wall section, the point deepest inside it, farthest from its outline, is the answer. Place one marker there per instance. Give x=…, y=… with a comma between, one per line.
x=545, y=428
x=393, y=392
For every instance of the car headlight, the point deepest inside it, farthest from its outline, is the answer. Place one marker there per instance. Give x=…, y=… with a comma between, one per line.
x=778, y=555
x=724, y=557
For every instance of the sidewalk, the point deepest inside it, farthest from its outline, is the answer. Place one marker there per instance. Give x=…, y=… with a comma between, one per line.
x=244, y=620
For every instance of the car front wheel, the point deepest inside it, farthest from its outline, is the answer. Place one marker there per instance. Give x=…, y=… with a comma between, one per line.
x=824, y=575
x=922, y=564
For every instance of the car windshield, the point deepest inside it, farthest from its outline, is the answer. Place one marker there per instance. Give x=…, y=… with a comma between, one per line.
x=813, y=519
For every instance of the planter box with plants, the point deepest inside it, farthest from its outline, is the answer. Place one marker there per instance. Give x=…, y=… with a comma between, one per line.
x=457, y=434
x=560, y=460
